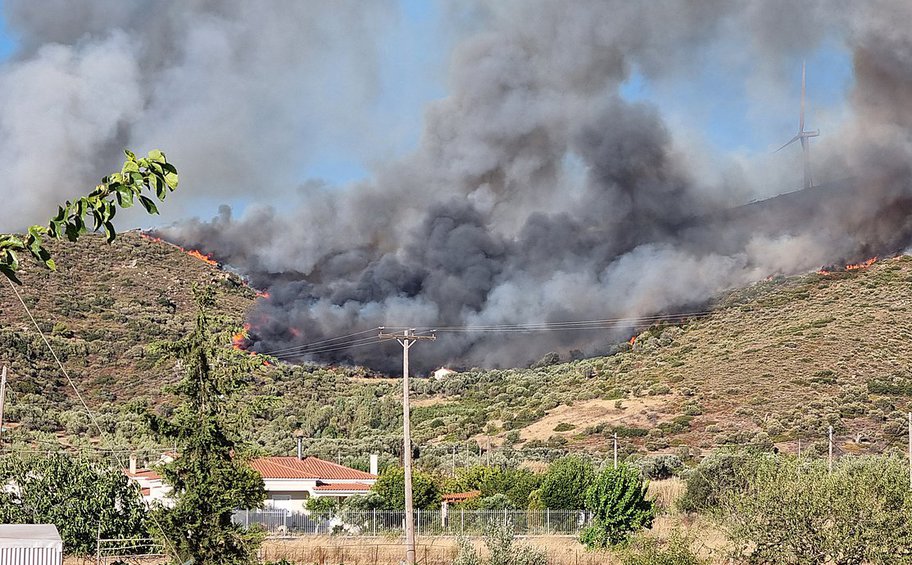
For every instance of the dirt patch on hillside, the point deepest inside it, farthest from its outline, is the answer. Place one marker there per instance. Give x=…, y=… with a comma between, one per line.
x=636, y=412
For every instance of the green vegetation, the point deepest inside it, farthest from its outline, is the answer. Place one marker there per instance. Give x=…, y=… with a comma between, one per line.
x=210, y=478
x=502, y=550
x=565, y=483
x=795, y=511
x=84, y=499
x=390, y=486
x=644, y=550
x=153, y=173
x=617, y=500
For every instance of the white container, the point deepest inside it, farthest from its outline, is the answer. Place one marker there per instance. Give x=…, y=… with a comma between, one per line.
x=30, y=544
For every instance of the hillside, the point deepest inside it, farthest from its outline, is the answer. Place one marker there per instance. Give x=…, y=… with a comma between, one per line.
x=774, y=363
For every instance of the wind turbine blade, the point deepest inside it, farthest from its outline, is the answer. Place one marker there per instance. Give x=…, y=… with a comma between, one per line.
x=791, y=141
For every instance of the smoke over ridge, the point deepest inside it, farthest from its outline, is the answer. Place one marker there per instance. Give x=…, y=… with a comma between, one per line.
x=538, y=192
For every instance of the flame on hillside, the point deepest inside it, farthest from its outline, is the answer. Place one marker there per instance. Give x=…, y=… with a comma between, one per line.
x=632, y=340
x=852, y=267
x=239, y=340
x=204, y=257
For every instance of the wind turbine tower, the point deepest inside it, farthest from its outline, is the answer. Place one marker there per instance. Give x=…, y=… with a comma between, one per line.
x=803, y=136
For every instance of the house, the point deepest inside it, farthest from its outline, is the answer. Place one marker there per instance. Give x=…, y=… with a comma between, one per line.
x=150, y=483
x=442, y=373
x=289, y=481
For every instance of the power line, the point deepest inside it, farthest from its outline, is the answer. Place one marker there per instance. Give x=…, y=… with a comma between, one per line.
x=343, y=342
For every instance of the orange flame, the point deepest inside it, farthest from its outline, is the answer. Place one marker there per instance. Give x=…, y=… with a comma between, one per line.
x=239, y=340
x=862, y=265
x=852, y=267
x=262, y=294
x=191, y=252
x=205, y=258
x=632, y=340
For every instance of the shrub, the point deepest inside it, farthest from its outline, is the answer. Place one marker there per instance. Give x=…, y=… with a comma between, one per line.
x=564, y=484
x=658, y=467
x=502, y=550
x=713, y=477
x=649, y=551
x=617, y=500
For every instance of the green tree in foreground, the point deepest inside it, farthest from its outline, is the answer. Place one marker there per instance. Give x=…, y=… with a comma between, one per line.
x=152, y=174
x=210, y=478
x=617, y=500
x=391, y=487
x=82, y=498
x=796, y=511
x=564, y=484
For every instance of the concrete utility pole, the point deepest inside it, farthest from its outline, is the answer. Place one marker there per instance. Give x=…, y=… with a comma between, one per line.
x=407, y=339
x=615, y=450
x=2, y=398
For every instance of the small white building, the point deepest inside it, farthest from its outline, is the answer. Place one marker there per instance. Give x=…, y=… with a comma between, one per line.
x=30, y=544
x=289, y=481
x=442, y=373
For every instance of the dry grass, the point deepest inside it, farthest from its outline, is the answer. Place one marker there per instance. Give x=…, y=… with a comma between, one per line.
x=592, y=412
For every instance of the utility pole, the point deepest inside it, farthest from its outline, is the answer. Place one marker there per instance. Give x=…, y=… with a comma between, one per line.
x=910, y=443
x=615, y=450
x=2, y=398
x=830, y=464
x=407, y=339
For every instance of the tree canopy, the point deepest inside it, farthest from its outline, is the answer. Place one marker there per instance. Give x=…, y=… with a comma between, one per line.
x=81, y=497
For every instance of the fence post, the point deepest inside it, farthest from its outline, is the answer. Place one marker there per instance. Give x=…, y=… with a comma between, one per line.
x=548, y=521
x=462, y=522
x=418, y=522
x=830, y=460
x=247, y=519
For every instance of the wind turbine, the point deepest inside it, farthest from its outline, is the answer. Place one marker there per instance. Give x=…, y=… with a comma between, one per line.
x=803, y=136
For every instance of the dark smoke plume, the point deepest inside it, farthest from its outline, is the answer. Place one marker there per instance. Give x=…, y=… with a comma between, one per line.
x=538, y=193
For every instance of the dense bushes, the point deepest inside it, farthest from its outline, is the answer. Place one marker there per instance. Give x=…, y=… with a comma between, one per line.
x=795, y=511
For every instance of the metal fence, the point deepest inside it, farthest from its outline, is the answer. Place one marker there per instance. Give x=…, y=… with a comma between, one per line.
x=133, y=551
x=453, y=522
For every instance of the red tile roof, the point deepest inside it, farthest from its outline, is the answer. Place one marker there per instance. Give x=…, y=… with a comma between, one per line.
x=142, y=474
x=455, y=497
x=307, y=468
x=343, y=486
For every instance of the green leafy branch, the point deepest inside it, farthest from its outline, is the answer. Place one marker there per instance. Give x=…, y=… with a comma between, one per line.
x=152, y=174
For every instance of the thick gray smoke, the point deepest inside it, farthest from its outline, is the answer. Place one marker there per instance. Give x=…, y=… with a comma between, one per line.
x=537, y=193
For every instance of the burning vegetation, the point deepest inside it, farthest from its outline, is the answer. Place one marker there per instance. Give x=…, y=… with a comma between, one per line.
x=851, y=267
